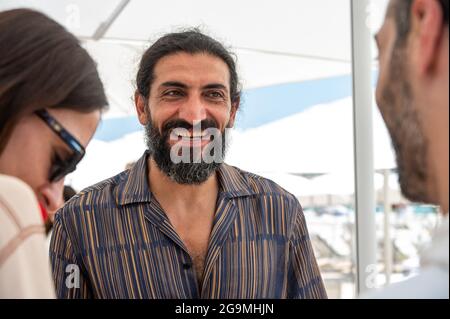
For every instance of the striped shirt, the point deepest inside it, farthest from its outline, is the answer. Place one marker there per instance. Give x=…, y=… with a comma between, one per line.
x=113, y=240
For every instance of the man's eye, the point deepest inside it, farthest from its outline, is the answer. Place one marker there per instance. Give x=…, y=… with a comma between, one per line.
x=215, y=95
x=173, y=94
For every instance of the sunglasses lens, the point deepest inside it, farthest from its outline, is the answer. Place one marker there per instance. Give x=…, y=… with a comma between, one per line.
x=56, y=172
x=61, y=168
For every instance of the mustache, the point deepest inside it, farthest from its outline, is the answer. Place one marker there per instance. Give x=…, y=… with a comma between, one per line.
x=174, y=124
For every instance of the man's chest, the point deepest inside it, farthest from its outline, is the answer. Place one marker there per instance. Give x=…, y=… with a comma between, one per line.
x=160, y=268
x=196, y=237
x=149, y=257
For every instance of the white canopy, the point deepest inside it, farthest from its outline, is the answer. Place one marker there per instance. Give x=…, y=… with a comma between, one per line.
x=319, y=140
x=275, y=42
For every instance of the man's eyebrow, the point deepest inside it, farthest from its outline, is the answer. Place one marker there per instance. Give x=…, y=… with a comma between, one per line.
x=184, y=86
x=174, y=84
x=215, y=86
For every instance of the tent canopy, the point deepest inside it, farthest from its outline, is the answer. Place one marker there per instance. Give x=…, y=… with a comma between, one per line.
x=276, y=42
x=293, y=55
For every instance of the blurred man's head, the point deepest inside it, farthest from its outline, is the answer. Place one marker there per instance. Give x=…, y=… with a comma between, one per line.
x=412, y=94
x=187, y=87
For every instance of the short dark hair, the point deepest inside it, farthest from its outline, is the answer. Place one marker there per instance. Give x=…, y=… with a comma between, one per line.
x=42, y=65
x=191, y=41
x=402, y=13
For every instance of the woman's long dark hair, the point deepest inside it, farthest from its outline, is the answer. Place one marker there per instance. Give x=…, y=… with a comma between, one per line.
x=42, y=65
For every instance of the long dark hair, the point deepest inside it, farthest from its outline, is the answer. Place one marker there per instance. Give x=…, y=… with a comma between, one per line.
x=42, y=65
x=190, y=41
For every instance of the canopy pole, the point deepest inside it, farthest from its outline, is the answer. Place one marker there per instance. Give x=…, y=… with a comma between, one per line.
x=363, y=147
x=104, y=26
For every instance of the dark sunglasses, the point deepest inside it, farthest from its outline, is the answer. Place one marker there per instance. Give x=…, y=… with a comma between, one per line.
x=60, y=167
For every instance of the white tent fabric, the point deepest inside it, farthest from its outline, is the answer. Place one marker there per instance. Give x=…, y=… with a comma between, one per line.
x=343, y=183
x=319, y=140
x=275, y=41
x=296, y=185
x=338, y=183
x=257, y=25
x=104, y=160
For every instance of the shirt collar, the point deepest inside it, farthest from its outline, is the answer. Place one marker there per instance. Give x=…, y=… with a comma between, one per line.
x=134, y=188
x=233, y=183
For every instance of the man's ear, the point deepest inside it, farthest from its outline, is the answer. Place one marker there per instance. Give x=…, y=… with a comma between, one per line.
x=141, y=108
x=427, y=23
x=233, y=112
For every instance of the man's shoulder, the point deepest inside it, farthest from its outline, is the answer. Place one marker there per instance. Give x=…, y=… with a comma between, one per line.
x=261, y=186
x=270, y=197
x=92, y=197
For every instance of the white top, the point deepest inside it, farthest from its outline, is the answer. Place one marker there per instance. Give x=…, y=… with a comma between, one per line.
x=24, y=264
x=433, y=280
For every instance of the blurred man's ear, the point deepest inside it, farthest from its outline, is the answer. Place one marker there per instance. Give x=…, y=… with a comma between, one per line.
x=233, y=112
x=427, y=23
x=141, y=106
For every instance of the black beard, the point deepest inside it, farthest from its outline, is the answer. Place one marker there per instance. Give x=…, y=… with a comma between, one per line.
x=404, y=127
x=192, y=173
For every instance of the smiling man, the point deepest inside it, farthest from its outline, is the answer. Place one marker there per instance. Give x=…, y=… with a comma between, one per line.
x=181, y=223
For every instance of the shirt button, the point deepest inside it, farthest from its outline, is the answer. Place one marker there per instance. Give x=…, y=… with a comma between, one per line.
x=187, y=266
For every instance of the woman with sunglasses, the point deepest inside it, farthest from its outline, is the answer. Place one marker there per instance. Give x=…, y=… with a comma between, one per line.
x=51, y=99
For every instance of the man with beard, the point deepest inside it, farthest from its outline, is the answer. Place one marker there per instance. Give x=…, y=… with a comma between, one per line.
x=413, y=97
x=181, y=223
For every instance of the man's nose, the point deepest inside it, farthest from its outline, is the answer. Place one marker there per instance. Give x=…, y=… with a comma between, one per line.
x=193, y=110
x=52, y=195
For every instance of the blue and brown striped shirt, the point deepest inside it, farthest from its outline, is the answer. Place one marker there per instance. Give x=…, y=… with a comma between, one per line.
x=118, y=239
